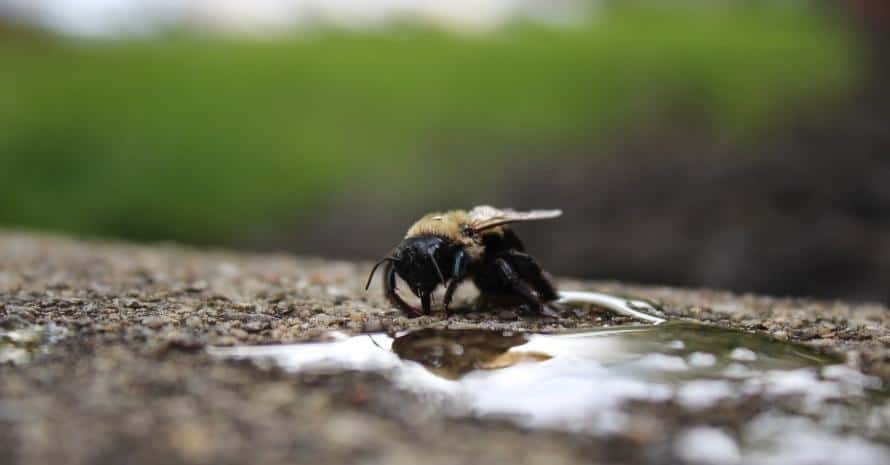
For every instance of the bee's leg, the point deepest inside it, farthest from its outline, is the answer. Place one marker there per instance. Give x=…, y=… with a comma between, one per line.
x=457, y=275
x=425, y=303
x=516, y=284
x=529, y=270
x=389, y=290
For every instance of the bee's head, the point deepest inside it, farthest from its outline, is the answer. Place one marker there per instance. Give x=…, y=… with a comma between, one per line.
x=419, y=262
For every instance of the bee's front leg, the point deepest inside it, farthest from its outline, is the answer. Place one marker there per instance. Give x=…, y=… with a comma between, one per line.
x=425, y=303
x=389, y=290
x=457, y=275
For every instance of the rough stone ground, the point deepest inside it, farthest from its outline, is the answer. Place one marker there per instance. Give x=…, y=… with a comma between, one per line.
x=131, y=382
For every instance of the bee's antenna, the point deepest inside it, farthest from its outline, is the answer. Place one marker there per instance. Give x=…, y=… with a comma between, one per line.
x=374, y=270
x=436, y=265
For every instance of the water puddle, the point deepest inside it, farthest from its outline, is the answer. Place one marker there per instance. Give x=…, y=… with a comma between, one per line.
x=20, y=346
x=785, y=403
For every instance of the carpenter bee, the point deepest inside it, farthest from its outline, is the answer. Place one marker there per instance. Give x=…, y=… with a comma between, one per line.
x=447, y=248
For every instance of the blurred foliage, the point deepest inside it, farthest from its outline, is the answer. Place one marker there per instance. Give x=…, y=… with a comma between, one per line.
x=192, y=138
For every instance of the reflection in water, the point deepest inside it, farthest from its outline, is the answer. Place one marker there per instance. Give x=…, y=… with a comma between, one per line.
x=586, y=382
x=454, y=353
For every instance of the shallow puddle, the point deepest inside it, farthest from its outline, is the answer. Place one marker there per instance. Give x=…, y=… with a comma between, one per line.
x=786, y=403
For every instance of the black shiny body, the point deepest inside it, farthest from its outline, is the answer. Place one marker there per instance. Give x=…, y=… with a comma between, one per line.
x=503, y=271
x=506, y=270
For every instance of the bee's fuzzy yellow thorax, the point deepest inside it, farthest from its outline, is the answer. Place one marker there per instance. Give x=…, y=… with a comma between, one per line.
x=448, y=224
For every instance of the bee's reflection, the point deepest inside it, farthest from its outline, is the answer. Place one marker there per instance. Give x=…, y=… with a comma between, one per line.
x=454, y=353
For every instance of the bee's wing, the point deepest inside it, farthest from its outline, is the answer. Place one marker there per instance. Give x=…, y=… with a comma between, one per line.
x=484, y=216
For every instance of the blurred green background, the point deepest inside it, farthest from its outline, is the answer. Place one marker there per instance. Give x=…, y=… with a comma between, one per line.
x=330, y=141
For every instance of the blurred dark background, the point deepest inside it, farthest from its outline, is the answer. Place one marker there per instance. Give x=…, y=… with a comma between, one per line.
x=734, y=144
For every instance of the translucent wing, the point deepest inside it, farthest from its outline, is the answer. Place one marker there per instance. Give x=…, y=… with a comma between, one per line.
x=484, y=216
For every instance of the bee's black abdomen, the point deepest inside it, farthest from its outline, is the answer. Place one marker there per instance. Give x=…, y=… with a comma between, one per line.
x=506, y=270
x=528, y=268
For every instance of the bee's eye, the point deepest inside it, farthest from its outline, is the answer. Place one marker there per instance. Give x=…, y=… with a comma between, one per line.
x=466, y=231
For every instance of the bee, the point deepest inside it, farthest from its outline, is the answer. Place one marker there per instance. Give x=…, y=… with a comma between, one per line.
x=450, y=247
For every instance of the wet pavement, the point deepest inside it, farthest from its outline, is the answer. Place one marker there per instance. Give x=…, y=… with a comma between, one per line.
x=116, y=353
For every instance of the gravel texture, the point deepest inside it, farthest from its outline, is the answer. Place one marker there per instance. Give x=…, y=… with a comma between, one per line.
x=125, y=378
